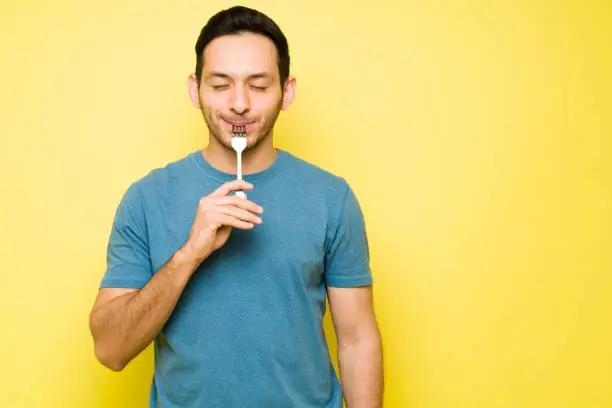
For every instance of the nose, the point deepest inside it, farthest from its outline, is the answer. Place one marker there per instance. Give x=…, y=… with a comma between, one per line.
x=240, y=101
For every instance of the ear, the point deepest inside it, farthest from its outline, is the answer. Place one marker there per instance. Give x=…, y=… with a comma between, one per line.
x=194, y=90
x=289, y=92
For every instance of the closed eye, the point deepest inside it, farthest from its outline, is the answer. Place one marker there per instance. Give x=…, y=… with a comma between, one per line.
x=219, y=87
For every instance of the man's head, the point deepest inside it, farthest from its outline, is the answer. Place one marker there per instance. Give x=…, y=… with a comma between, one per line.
x=242, y=75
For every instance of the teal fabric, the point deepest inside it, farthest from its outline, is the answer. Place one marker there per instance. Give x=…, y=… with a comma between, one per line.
x=248, y=329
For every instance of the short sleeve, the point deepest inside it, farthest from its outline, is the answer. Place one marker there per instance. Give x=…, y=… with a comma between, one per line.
x=128, y=263
x=347, y=259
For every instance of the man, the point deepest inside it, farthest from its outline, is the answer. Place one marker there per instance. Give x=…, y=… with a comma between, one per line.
x=232, y=290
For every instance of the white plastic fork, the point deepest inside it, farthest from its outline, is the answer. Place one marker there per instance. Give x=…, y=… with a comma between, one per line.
x=239, y=142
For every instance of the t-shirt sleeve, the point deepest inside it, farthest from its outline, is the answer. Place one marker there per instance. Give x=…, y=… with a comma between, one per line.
x=347, y=258
x=128, y=263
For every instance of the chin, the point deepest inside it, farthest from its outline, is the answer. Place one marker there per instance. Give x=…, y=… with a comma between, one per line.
x=253, y=142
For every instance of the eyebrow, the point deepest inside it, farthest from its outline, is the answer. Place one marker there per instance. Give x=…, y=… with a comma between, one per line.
x=218, y=74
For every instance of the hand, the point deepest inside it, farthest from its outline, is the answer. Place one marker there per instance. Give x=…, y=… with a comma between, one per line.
x=217, y=214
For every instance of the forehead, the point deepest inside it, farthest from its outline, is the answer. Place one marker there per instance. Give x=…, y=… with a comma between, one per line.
x=240, y=55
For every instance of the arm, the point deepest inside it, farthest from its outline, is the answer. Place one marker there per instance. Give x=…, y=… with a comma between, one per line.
x=123, y=322
x=360, y=356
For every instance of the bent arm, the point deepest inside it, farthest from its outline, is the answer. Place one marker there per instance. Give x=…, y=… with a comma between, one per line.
x=123, y=322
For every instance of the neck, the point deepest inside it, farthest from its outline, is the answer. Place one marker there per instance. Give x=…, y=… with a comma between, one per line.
x=253, y=160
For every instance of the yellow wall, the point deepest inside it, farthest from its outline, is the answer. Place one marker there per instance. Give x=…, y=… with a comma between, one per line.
x=475, y=134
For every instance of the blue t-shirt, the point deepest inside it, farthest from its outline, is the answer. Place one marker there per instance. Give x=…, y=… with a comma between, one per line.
x=248, y=329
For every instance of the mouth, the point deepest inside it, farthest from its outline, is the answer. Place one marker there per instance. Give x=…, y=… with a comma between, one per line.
x=244, y=126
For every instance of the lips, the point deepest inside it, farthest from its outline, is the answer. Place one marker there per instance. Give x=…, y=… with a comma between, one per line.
x=238, y=122
x=242, y=125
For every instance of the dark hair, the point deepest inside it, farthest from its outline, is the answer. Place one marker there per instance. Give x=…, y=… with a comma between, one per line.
x=239, y=19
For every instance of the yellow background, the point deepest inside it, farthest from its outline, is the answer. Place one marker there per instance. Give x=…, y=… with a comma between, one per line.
x=476, y=135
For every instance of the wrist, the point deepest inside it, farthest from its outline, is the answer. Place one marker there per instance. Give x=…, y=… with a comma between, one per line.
x=188, y=258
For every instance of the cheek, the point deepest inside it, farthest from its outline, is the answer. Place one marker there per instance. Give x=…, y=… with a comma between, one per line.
x=211, y=102
x=269, y=105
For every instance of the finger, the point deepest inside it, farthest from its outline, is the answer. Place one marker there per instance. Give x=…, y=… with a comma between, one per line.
x=239, y=202
x=239, y=213
x=235, y=222
x=233, y=185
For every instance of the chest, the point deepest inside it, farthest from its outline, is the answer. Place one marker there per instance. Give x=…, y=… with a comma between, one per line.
x=289, y=244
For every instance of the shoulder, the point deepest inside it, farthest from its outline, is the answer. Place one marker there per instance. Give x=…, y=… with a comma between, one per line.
x=160, y=180
x=315, y=178
x=321, y=188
